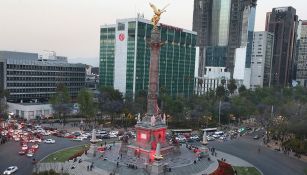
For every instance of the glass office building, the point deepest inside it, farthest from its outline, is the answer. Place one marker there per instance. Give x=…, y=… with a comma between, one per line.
x=28, y=77
x=125, y=57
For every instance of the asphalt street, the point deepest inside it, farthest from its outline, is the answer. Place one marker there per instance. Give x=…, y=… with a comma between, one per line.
x=268, y=161
x=9, y=154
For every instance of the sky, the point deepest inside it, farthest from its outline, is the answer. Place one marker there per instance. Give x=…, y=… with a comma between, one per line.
x=71, y=27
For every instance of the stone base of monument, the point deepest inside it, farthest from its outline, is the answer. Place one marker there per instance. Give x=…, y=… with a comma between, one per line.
x=204, y=143
x=92, y=150
x=157, y=168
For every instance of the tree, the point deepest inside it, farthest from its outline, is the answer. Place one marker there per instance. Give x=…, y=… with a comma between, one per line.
x=60, y=101
x=232, y=86
x=220, y=92
x=111, y=101
x=86, y=102
x=3, y=106
x=242, y=89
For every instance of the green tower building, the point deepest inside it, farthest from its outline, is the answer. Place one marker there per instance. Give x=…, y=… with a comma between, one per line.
x=125, y=57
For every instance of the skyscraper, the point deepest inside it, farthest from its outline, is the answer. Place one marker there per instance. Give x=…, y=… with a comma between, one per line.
x=301, y=74
x=222, y=27
x=125, y=57
x=261, y=63
x=283, y=24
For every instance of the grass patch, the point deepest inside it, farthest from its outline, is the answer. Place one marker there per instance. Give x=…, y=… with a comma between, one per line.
x=247, y=171
x=305, y=171
x=63, y=155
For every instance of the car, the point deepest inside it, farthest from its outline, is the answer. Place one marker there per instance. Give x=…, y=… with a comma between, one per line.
x=195, y=137
x=113, y=135
x=22, y=152
x=210, y=138
x=35, y=146
x=69, y=136
x=113, y=132
x=256, y=137
x=49, y=141
x=181, y=139
x=77, y=139
x=10, y=170
x=30, y=154
x=24, y=147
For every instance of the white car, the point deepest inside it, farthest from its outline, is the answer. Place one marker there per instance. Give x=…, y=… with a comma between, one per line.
x=10, y=170
x=24, y=147
x=210, y=138
x=49, y=141
x=35, y=146
x=113, y=132
x=113, y=135
x=78, y=139
x=194, y=137
x=181, y=138
x=30, y=154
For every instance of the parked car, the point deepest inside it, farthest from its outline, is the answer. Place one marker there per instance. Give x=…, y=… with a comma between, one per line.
x=10, y=170
x=49, y=141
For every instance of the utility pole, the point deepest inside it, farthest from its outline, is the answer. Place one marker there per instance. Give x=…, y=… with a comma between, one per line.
x=220, y=113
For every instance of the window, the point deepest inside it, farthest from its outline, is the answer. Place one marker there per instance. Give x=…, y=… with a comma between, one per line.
x=121, y=27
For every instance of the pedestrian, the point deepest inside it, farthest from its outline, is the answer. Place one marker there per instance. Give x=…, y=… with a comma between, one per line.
x=88, y=167
x=105, y=143
x=114, y=143
x=121, y=155
x=117, y=157
x=117, y=164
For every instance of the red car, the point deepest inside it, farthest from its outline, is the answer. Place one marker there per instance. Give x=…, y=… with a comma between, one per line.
x=70, y=136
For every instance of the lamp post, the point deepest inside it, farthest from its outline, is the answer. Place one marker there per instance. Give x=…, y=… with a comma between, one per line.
x=220, y=103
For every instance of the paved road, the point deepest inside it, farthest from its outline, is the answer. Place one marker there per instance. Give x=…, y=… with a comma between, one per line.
x=9, y=154
x=268, y=161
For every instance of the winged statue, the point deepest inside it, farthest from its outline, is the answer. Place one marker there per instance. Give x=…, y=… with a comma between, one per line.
x=157, y=13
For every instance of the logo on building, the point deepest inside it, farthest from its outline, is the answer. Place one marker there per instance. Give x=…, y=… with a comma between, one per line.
x=121, y=37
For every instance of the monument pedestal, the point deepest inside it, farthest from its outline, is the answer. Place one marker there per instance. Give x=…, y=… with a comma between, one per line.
x=92, y=150
x=157, y=168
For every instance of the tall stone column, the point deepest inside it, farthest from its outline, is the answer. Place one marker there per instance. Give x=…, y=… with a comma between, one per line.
x=153, y=86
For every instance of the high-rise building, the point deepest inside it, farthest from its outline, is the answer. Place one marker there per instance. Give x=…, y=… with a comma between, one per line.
x=283, y=24
x=301, y=73
x=27, y=76
x=267, y=20
x=125, y=57
x=261, y=64
x=222, y=27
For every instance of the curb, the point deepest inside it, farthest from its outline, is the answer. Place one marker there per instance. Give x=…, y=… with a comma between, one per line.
x=40, y=161
x=246, y=162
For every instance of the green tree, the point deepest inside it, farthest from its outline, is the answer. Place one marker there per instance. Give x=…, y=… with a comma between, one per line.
x=3, y=105
x=86, y=102
x=232, y=86
x=242, y=89
x=60, y=101
x=111, y=101
x=220, y=92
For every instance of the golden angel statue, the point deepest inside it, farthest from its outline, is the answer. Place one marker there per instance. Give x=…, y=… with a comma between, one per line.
x=156, y=18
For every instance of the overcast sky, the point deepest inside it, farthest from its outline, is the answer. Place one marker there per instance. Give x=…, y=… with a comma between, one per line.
x=71, y=27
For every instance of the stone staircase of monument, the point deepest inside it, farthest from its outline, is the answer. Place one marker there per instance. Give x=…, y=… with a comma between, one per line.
x=196, y=168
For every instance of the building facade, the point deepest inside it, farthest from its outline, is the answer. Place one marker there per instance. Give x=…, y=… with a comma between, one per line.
x=28, y=77
x=262, y=55
x=301, y=73
x=222, y=27
x=125, y=57
x=283, y=24
x=214, y=77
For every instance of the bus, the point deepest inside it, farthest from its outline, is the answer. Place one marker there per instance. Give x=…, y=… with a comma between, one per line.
x=210, y=130
x=181, y=131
